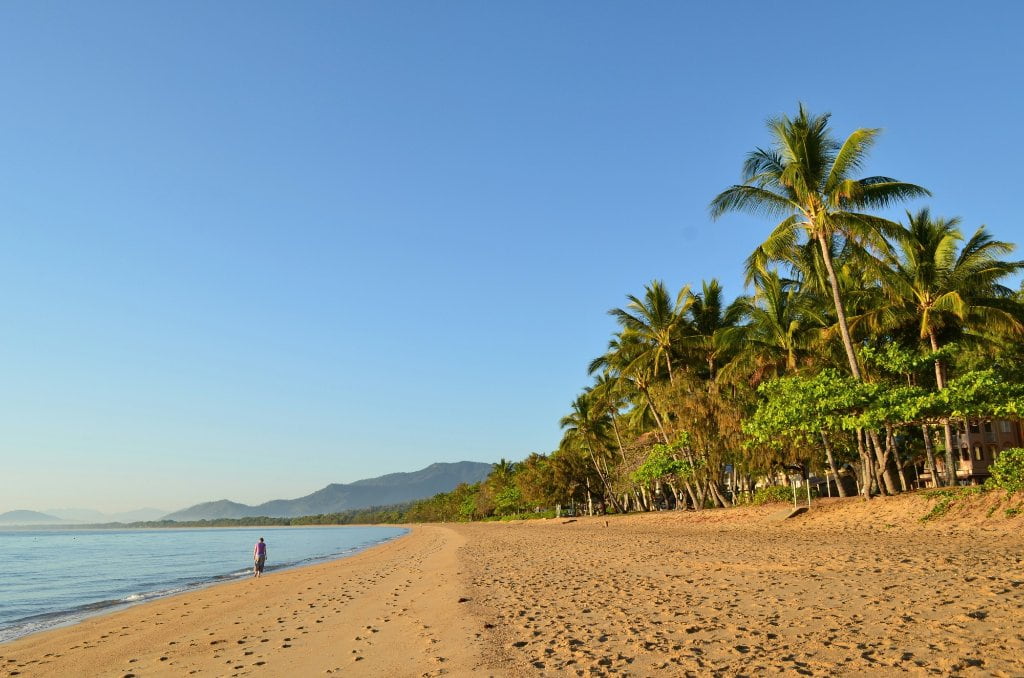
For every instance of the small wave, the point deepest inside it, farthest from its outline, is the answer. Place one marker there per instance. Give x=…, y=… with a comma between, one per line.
x=145, y=595
x=48, y=620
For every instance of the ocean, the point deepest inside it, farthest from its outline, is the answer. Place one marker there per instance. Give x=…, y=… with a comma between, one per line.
x=51, y=577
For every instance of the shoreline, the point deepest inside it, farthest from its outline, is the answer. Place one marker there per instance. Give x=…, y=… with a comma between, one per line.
x=847, y=589
x=62, y=618
x=325, y=617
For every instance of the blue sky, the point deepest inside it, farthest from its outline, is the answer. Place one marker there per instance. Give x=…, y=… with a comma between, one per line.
x=250, y=248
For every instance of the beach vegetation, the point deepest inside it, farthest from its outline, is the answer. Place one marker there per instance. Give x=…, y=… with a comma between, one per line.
x=773, y=494
x=1008, y=470
x=863, y=349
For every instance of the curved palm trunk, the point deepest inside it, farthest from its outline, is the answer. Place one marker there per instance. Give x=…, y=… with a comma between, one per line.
x=618, y=438
x=657, y=417
x=844, y=327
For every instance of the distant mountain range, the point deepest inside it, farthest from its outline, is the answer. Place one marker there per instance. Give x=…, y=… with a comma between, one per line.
x=27, y=518
x=80, y=515
x=394, y=488
x=77, y=517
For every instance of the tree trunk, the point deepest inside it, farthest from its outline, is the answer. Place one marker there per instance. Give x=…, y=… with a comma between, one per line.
x=947, y=432
x=604, y=481
x=657, y=418
x=884, y=471
x=690, y=494
x=929, y=454
x=832, y=465
x=590, y=500
x=940, y=370
x=947, y=428
x=716, y=492
x=865, y=462
x=844, y=327
x=701, y=496
x=879, y=482
x=618, y=439
x=890, y=444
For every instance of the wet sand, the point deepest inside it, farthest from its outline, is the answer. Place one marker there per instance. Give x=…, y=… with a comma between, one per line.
x=846, y=589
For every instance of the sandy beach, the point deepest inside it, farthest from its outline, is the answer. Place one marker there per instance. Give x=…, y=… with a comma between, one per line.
x=845, y=589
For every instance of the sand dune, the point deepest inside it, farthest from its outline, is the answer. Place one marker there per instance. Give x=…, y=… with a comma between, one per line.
x=843, y=590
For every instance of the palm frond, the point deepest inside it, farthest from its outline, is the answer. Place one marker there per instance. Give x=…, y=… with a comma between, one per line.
x=851, y=157
x=752, y=200
x=879, y=193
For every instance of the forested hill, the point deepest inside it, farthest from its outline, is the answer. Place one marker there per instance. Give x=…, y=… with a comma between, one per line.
x=394, y=488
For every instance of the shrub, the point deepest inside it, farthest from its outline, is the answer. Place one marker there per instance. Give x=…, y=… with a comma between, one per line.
x=772, y=494
x=1008, y=470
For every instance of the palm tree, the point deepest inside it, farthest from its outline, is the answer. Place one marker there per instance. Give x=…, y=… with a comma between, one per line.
x=611, y=395
x=655, y=320
x=783, y=323
x=708, y=317
x=586, y=428
x=944, y=292
x=630, y=360
x=503, y=470
x=806, y=178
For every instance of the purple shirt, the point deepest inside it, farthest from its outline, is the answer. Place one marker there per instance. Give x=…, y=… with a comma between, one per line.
x=261, y=548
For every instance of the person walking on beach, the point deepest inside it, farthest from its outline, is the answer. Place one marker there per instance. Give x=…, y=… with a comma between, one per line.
x=259, y=556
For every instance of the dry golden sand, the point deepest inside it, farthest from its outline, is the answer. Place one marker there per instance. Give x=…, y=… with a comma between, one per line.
x=846, y=589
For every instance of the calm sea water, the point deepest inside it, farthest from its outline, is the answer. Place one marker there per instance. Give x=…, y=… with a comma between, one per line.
x=53, y=577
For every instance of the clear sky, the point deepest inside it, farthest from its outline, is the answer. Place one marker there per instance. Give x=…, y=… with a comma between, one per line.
x=251, y=248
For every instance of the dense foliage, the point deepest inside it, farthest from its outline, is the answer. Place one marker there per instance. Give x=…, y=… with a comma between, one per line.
x=1008, y=470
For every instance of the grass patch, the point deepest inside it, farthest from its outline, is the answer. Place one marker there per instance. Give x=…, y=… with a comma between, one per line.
x=940, y=509
x=948, y=497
